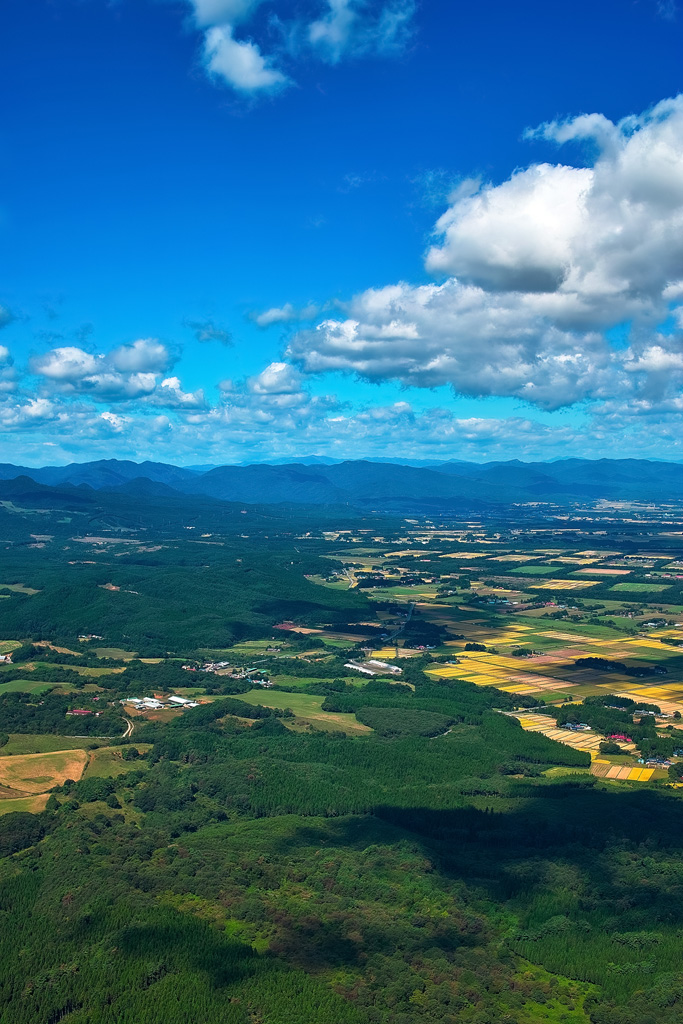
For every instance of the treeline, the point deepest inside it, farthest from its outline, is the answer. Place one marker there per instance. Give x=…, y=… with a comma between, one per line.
x=462, y=701
x=20, y=713
x=403, y=721
x=607, y=665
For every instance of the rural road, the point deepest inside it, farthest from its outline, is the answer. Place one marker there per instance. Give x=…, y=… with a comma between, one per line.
x=397, y=632
x=129, y=729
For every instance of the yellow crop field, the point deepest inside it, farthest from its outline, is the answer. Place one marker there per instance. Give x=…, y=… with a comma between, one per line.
x=511, y=558
x=588, y=740
x=576, y=637
x=564, y=584
x=465, y=554
x=576, y=560
x=622, y=773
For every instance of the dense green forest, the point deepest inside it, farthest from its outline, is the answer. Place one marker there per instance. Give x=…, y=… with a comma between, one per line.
x=251, y=873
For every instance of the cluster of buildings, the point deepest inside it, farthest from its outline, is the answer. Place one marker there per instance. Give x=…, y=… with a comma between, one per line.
x=209, y=666
x=372, y=667
x=655, y=762
x=160, y=703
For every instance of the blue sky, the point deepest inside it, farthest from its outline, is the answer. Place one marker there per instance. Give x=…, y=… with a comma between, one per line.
x=234, y=229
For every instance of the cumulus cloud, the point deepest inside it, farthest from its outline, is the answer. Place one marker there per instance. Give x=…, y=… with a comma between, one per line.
x=276, y=379
x=114, y=421
x=240, y=63
x=30, y=414
x=342, y=29
x=537, y=269
x=207, y=330
x=147, y=355
x=65, y=364
x=171, y=394
x=126, y=373
x=271, y=403
x=481, y=344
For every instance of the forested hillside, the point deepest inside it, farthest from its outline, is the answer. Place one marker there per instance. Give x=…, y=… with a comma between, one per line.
x=254, y=873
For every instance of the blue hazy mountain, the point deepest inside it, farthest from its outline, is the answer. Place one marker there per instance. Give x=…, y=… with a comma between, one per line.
x=378, y=484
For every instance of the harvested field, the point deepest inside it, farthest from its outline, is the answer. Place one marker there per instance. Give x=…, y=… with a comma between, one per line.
x=598, y=571
x=32, y=804
x=36, y=773
x=585, y=740
x=625, y=773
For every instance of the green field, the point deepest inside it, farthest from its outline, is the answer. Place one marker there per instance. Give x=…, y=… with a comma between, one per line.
x=26, y=743
x=303, y=682
x=115, y=652
x=108, y=761
x=307, y=708
x=640, y=588
x=32, y=804
x=30, y=686
x=19, y=588
x=88, y=670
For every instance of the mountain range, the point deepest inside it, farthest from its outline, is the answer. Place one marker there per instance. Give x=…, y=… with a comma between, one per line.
x=377, y=485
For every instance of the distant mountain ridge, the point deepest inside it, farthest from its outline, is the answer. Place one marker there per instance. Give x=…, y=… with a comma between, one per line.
x=379, y=485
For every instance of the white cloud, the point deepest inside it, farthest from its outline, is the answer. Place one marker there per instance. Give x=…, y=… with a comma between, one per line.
x=171, y=394
x=276, y=379
x=66, y=364
x=352, y=28
x=654, y=359
x=127, y=373
x=115, y=422
x=284, y=314
x=344, y=28
x=147, y=355
x=33, y=413
x=457, y=334
x=240, y=63
x=538, y=269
